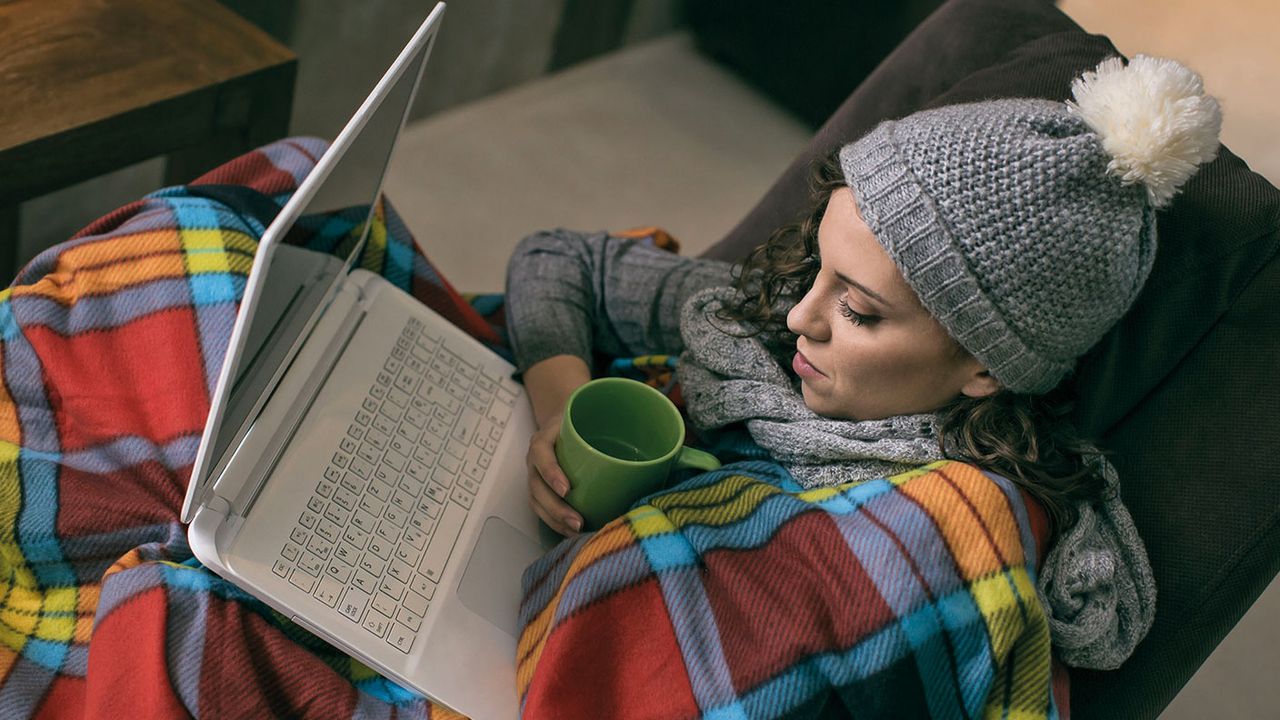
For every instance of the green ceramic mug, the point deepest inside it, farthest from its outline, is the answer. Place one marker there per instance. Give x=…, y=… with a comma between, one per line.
x=619, y=441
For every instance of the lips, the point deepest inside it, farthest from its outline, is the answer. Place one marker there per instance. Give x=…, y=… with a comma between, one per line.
x=804, y=368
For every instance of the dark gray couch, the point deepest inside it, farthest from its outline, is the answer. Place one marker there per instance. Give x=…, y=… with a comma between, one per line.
x=1184, y=390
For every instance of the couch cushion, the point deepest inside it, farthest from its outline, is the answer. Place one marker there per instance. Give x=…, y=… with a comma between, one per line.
x=1187, y=374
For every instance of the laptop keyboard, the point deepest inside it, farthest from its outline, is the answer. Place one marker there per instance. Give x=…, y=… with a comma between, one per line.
x=382, y=523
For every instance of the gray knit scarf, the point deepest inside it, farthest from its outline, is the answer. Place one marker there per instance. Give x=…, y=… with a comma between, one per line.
x=1096, y=584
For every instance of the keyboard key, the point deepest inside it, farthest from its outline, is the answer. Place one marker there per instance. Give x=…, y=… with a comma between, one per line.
x=373, y=564
x=290, y=551
x=346, y=554
x=470, y=485
x=414, y=477
x=392, y=366
x=380, y=490
x=338, y=571
x=415, y=603
x=302, y=580
x=337, y=514
x=347, y=445
x=398, y=353
x=400, y=637
x=385, y=474
x=398, y=397
x=422, y=521
x=415, y=417
x=327, y=530
x=456, y=449
x=365, y=582
x=437, y=493
x=312, y=564
x=377, y=391
x=307, y=519
x=395, y=460
x=353, y=483
x=392, y=587
x=299, y=536
x=354, y=603
x=392, y=412
x=384, y=604
x=371, y=504
x=356, y=432
x=400, y=444
x=280, y=568
x=443, y=477
x=411, y=435
x=355, y=536
x=368, y=404
x=411, y=621
x=441, y=546
x=388, y=532
x=473, y=471
x=320, y=546
x=383, y=424
x=345, y=498
x=364, y=416
x=401, y=571
x=380, y=547
x=377, y=439
x=462, y=497
x=403, y=500
x=407, y=552
x=449, y=463
x=332, y=473
x=329, y=591
x=429, y=508
x=369, y=454
x=385, y=378
x=341, y=459
x=406, y=383
x=364, y=521
x=413, y=537
x=423, y=586
x=376, y=623
x=315, y=504
x=324, y=489
x=396, y=516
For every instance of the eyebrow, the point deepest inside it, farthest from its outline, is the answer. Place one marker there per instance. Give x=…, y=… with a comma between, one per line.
x=865, y=290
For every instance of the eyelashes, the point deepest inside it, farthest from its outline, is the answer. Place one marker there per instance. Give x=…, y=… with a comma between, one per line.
x=854, y=316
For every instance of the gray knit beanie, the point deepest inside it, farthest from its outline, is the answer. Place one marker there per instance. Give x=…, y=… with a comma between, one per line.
x=1027, y=227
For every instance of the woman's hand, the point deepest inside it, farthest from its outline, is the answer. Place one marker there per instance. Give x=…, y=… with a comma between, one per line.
x=548, y=483
x=550, y=382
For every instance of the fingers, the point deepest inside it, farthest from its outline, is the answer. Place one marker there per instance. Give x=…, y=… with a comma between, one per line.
x=547, y=485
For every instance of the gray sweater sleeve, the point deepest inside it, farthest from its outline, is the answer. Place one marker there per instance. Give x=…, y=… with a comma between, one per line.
x=572, y=293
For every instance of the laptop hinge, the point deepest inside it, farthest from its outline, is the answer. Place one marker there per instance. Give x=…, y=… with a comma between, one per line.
x=289, y=424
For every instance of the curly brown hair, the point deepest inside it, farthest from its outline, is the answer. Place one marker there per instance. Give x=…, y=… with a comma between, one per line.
x=1026, y=438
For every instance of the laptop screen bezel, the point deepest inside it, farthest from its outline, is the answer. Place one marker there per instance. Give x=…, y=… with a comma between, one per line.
x=414, y=58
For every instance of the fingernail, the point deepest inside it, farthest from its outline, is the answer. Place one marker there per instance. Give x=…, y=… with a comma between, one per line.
x=574, y=522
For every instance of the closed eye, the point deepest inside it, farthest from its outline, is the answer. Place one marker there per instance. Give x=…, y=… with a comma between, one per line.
x=854, y=316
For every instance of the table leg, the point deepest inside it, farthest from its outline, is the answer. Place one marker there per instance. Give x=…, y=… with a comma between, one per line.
x=8, y=244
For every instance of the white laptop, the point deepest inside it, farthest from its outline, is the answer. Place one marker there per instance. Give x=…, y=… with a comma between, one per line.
x=362, y=468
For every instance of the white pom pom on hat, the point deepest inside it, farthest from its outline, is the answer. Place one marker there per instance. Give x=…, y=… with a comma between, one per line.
x=1153, y=119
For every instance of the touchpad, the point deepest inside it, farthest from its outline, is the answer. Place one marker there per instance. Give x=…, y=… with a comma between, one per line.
x=491, y=583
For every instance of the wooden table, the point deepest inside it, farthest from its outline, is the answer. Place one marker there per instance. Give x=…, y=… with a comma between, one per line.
x=90, y=86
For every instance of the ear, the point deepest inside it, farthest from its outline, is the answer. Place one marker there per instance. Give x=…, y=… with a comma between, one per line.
x=980, y=384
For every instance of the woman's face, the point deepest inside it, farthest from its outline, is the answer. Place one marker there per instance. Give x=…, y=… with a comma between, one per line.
x=867, y=348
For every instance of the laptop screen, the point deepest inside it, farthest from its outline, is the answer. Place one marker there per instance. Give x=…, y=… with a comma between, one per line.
x=307, y=250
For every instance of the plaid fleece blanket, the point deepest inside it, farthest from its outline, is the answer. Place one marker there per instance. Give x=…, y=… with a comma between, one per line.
x=740, y=595
x=110, y=345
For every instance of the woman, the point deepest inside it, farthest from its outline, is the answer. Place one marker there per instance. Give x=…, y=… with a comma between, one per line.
x=955, y=265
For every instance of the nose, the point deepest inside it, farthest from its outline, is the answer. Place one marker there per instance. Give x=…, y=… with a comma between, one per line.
x=806, y=318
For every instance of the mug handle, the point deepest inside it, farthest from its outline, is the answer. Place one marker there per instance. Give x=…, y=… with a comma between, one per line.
x=697, y=459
